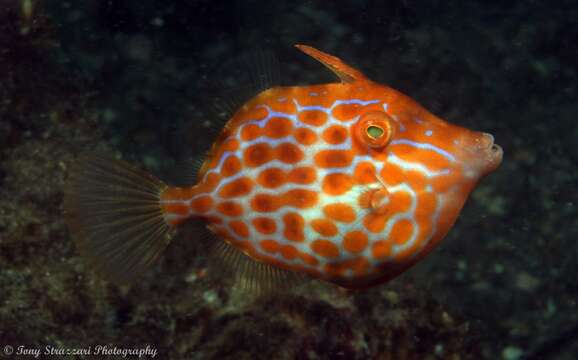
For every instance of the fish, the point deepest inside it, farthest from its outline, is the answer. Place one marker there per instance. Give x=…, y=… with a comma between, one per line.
x=349, y=182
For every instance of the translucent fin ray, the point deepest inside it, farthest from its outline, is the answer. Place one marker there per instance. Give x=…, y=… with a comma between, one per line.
x=188, y=168
x=248, y=275
x=242, y=78
x=114, y=214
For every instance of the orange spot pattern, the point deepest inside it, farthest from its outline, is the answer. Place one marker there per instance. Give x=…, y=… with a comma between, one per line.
x=325, y=248
x=352, y=241
x=364, y=173
x=305, y=136
x=277, y=128
x=333, y=158
x=258, y=154
x=239, y=228
x=324, y=227
x=289, y=153
x=374, y=223
x=236, y=188
x=231, y=166
x=288, y=252
x=335, y=135
x=294, y=225
x=297, y=198
x=272, y=178
x=270, y=246
x=262, y=153
x=392, y=174
x=399, y=201
x=381, y=249
x=253, y=209
x=265, y=203
x=340, y=212
x=211, y=182
x=251, y=132
x=230, y=208
x=302, y=175
x=337, y=184
x=265, y=225
x=401, y=231
x=355, y=241
x=313, y=117
x=345, y=112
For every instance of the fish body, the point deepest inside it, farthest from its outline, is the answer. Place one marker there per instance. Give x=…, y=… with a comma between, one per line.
x=293, y=182
x=349, y=182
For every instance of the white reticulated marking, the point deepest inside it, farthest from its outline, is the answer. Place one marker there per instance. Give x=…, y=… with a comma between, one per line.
x=395, y=118
x=335, y=104
x=225, y=156
x=308, y=161
x=407, y=165
x=301, y=108
x=426, y=146
x=351, y=197
x=428, y=133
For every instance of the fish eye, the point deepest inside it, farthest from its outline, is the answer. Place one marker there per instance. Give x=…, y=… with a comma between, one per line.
x=375, y=129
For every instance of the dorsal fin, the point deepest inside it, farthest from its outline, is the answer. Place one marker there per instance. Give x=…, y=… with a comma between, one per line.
x=346, y=73
x=241, y=78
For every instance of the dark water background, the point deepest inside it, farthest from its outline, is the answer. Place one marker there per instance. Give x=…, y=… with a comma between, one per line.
x=134, y=77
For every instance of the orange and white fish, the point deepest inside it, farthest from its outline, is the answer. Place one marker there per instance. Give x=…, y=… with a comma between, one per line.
x=349, y=182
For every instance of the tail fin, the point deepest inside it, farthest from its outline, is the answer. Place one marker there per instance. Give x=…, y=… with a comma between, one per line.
x=115, y=218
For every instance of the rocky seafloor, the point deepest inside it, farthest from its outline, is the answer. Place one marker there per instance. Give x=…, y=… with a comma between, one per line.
x=130, y=80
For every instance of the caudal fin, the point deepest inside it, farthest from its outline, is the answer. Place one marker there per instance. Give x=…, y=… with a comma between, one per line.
x=114, y=215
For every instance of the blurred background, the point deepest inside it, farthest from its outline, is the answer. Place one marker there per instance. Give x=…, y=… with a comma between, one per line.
x=136, y=79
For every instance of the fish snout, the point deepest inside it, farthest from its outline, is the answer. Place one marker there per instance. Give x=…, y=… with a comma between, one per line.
x=491, y=151
x=481, y=155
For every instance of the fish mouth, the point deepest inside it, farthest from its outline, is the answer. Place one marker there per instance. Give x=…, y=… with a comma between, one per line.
x=493, y=150
x=480, y=155
x=491, y=153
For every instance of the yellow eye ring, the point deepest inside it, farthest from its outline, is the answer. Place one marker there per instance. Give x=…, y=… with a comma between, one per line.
x=375, y=129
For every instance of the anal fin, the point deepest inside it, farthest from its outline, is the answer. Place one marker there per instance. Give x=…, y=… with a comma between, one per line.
x=248, y=275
